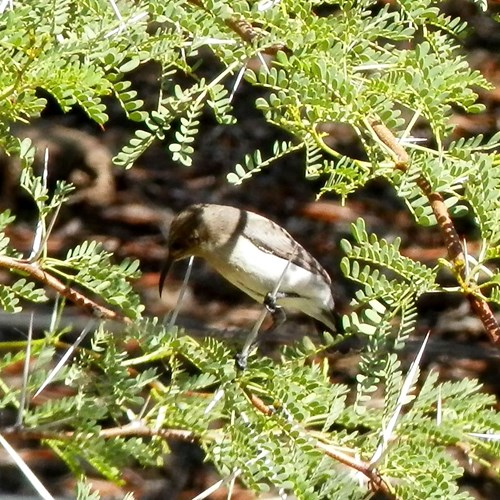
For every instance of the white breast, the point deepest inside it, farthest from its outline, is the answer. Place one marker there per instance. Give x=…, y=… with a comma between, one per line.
x=257, y=272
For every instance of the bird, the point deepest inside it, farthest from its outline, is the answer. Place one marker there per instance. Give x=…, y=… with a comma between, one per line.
x=252, y=252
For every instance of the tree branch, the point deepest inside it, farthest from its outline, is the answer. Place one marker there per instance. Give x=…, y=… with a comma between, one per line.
x=130, y=430
x=452, y=241
x=37, y=273
x=377, y=484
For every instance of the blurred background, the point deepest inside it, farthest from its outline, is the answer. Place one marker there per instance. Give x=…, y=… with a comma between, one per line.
x=129, y=211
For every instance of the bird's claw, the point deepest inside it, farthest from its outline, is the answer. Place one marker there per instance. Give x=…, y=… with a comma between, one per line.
x=277, y=312
x=279, y=316
x=270, y=302
x=241, y=358
x=241, y=361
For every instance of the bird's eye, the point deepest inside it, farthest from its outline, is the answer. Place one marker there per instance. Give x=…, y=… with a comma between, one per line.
x=176, y=246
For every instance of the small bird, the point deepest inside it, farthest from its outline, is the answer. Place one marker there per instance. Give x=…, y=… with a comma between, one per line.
x=252, y=252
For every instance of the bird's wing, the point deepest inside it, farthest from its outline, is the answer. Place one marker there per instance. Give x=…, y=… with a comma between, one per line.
x=272, y=238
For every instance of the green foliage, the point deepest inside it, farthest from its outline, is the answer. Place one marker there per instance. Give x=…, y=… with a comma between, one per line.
x=87, y=265
x=36, y=186
x=90, y=266
x=182, y=149
x=280, y=447
x=270, y=425
x=84, y=492
x=6, y=218
x=254, y=163
x=410, y=275
x=481, y=190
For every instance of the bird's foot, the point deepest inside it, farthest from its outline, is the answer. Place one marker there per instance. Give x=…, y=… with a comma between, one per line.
x=277, y=312
x=270, y=302
x=278, y=315
x=241, y=361
x=241, y=358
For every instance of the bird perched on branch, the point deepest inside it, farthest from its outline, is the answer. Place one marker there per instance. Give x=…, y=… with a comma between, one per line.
x=252, y=253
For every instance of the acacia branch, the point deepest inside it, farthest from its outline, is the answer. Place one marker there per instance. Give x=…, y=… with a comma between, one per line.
x=245, y=30
x=452, y=241
x=33, y=270
x=376, y=483
x=130, y=430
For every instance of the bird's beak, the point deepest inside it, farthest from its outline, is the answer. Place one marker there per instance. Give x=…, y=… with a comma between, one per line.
x=164, y=271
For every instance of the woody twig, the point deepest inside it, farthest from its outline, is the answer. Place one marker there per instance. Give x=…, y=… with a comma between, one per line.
x=34, y=271
x=375, y=481
x=452, y=241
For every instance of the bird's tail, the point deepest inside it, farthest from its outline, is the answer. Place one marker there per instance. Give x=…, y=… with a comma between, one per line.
x=331, y=319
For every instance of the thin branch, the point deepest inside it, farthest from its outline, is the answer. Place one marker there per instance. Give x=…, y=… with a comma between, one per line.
x=484, y=313
x=130, y=430
x=377, y=484
x=26, y=369
x=245, y=30
x=23, y=467
x=386, y=136
x=63, y=359
x=411, y=378
x=77, y=298
x=451, y=238
x=173, y=317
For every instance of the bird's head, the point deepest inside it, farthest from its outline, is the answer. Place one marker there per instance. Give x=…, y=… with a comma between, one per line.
x=184, y=239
